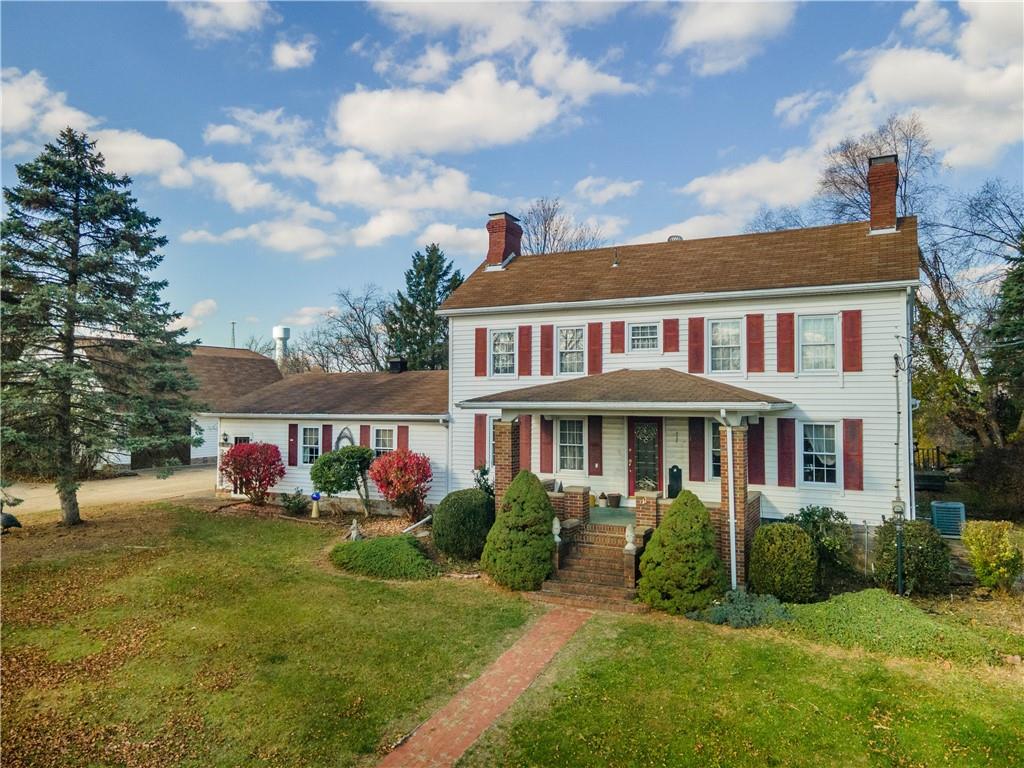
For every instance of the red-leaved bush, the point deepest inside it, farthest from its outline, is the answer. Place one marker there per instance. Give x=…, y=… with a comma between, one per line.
x=253, y=469
x=403, y=479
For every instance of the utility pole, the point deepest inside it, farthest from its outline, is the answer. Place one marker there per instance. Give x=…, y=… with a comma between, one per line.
x=232, y=334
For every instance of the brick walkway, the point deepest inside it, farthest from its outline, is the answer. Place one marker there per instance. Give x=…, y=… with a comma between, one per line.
x=452, y=729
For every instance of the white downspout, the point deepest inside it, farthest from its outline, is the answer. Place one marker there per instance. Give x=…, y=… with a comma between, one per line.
x=732, y=502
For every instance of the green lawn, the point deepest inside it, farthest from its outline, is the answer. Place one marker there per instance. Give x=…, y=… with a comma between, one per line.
x=232, y=642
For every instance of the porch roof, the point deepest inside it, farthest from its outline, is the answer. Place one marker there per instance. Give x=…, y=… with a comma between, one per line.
x=658, y=389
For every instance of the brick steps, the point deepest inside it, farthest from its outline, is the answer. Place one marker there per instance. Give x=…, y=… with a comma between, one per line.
x=585, y=536
x=583, y=588
x=583, y=575
x=589, y=603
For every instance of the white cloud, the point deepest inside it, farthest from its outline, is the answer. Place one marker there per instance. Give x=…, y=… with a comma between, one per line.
x=225, y=133
x=283, y=235
x=235, y=184
x=380, y=227
x=29, y=106
x=304, y=316
x=478, y=110
x=429, y=67
x=195, y=316
x=929, y=21
x=599, y=190
x=222, y=19
x=294, y=55
x=703, y=225
x=789, y=180
x=609, y=226
x=721, y=37
x=456, y=241
x=992, y=33
x=133, y=153
x=572, y=77
x=797, y=108
x=248, y=123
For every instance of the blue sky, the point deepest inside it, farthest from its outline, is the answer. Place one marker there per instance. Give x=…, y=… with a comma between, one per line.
x=292, y=149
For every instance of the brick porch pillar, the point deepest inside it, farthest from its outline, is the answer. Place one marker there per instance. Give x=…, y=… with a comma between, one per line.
x=506, y=457
x=647, y=509
x=577, y=503
x=739, y=473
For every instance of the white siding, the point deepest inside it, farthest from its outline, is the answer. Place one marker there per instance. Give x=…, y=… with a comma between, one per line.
x=208, y=450
x=869, y=395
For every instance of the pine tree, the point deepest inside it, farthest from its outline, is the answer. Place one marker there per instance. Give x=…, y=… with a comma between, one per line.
x=89, y=365
x=415, y=331
x=1006, y=337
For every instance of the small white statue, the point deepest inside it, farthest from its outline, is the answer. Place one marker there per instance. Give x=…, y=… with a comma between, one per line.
x=630, y=538
x=556, y=529
x=354, y=534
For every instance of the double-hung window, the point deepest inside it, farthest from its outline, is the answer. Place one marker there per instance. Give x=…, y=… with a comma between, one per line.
x=503, y=353
x=570, y=444
x=716, y=450
x=383, y=440
x=819, y=454
x=818, y=343
x=310, y=444
x=724, y=346
x=643, y=336
x=570, y=350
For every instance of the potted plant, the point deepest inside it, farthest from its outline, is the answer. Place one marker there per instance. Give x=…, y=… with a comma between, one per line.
x=602, y=500
x=614, y=499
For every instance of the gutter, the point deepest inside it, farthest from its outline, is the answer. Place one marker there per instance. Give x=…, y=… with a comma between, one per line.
x=439, y=417
x=629, y=406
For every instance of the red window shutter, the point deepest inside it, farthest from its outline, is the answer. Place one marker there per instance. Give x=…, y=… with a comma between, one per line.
x=525, y=440
x=595, y=442
x=547, y=350
x=594, y=351
x=784, y=340
x=618, y=336
x=787, y=452
x=755, y=453
x=293, y=445
x=525, y=350
x=853, y=454
x=547, y=437
x=403, y=437
x=696, y=449
x=481, y=352
x=695, y=345
x=364, y=435
x=326, y=438
x=670, y=330
x=852, y=340
x=755, y=343
x=480, y=440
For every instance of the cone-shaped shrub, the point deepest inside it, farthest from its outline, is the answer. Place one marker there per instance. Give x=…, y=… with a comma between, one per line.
x=520, y=545
x=680, y=570
x=461, y=522
x=783, y=563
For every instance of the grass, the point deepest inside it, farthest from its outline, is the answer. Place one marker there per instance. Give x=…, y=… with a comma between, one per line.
x=228, y=642
x=385, y=557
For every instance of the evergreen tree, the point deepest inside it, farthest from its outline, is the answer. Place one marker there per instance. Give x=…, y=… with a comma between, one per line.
x=1006, y=336
x=415, y=331
x=519, y=547
x=89, y=365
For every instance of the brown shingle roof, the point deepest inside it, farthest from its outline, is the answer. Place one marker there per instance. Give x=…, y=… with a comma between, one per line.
x=838, y=254
x=657, y=386
x=225, y=374
x=411, y=392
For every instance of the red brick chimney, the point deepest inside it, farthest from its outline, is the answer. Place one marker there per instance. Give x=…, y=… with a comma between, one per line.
x=505, y=238
x=883, y=176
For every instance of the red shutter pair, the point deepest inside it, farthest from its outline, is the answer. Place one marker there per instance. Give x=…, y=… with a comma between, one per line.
x=853, y=453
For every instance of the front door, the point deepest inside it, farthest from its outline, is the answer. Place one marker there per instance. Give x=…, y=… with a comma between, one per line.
x=644, y=440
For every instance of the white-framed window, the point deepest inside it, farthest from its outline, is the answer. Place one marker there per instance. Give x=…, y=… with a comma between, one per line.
x=310, y=444
x=570, y=444
x=724, y=351
x=491, y=421
x=819, y=459
x=383, y=440
x=716, y=450
x=643, y=336
x=241, y=439
x=570, y=350
x=817, y=337
x=503, y=352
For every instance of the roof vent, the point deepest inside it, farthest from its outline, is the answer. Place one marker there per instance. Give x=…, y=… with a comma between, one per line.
x=675, y=238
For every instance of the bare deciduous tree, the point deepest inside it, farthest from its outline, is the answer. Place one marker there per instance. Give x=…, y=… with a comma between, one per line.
x=774, y=219
x=549, y=229
x=260, y=345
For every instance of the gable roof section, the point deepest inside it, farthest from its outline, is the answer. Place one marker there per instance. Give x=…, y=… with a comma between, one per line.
x=657, y=388
x=839, y=254
x=224, y=374
x=423, y=393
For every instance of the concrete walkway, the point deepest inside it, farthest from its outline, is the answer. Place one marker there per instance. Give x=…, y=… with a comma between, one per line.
x=146, y=486
x=454, y=728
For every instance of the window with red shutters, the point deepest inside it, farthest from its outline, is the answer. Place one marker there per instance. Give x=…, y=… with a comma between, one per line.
x=480, y=352
x=852, y=340
x=787, y=452
x=618, y=336
x=784, y=342
x=670, y=331
x=525, y=350
x=755, y=343
x=696, y=439
x=695, y=345
x=547, y=350
x=594, y=348
x=853, y=454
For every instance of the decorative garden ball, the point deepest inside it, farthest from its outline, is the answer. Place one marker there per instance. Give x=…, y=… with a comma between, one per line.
x=315, y=512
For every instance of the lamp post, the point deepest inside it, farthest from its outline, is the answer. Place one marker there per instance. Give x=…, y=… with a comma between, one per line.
x=898, y=512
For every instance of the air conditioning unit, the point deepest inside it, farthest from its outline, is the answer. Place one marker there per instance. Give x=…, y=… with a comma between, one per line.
x=948, y=517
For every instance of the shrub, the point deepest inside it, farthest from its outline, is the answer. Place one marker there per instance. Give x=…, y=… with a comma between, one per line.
x=385, y=557
x=996, y=558
x=925, y=557
x=344, y=470
x=296, y=503
x=997, y=473
x=740, y=609
x=253, y=469
x=831, y=536
x=520, y=544
x=680, y=570
x=783, y=563
x=482, y=480
x=461, y=522
x=403, y=479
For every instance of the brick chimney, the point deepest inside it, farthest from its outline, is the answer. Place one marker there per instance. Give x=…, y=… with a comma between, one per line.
x=883, y=176
x=505, y=237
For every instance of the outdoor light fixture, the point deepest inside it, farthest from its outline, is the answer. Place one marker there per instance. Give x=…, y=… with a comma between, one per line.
x=224, y=438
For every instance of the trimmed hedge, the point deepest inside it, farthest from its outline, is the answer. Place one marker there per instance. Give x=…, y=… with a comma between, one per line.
x=680, y=570
x=461, y=523
x=925, y=557
x=520, y=544
x=385, y=557
x=783, y=563
x=996, y=558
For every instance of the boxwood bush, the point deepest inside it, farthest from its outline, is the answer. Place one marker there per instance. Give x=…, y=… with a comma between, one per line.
x=740, y=609
x=925, y=557
x=520, y=544
x=385, y=557
x=783, y=563
x=996, y=558
x=461, y=523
